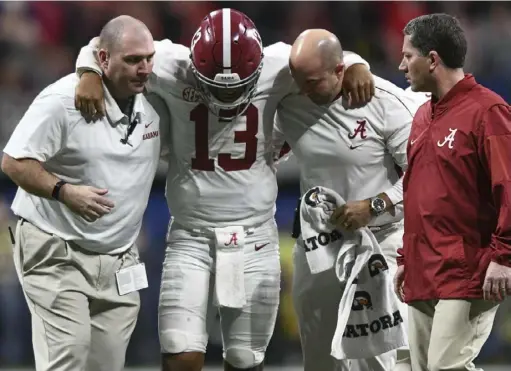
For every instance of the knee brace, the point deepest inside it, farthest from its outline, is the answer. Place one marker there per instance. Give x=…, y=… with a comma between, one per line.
x=243, y=358
x=175, y=341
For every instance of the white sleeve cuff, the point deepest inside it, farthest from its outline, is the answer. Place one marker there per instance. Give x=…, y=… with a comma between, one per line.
x=351, y=58
x=86, y=60
x=395, y=193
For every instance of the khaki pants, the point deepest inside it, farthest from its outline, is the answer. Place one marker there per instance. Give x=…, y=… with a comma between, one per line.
x=448, y=334
x=79, y=321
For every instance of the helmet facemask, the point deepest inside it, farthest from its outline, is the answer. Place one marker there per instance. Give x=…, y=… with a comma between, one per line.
x=218, y=94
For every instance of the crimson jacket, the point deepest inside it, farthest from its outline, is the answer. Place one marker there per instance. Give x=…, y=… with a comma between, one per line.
x=457, y=194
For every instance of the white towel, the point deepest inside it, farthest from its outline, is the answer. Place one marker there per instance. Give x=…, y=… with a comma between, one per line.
x=369, y=322
x=229, y=279
x=321, y=240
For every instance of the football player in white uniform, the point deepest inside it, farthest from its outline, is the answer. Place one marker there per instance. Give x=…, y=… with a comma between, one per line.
x=359, y=153
x=222, y=244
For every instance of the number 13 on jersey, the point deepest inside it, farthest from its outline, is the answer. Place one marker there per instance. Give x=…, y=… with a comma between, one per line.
x=200, y=116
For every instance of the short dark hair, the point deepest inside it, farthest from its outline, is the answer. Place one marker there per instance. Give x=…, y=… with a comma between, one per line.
x=439, y=32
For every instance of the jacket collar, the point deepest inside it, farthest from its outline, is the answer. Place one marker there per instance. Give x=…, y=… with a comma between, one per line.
x=451, y=98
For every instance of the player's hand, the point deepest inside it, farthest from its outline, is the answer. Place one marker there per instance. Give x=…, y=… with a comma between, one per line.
x=352, y=215
x=399, y=279
x=89, y=96
x=497, y=282
x=85, y=201
x=358, y=85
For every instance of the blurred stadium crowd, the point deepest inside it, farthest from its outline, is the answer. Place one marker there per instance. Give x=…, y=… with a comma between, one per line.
x=39, y=42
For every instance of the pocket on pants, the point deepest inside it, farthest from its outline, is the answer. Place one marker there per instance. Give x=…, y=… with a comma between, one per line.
x=40, y=250
x=43, y=265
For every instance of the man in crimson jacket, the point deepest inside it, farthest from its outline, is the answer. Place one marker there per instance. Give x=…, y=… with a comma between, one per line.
x=455, y=262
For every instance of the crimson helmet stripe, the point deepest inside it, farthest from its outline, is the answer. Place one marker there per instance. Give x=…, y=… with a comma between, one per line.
x=226, y=36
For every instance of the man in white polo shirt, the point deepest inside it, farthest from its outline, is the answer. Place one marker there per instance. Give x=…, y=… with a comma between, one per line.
x=82, y=193
x=359, y=153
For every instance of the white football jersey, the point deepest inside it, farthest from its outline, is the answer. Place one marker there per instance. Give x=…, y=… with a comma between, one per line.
x=357, y=152
x=221, y=172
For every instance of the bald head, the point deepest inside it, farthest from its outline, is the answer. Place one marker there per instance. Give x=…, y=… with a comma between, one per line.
x=316, y=48
x=316, y=65
x=118, y=29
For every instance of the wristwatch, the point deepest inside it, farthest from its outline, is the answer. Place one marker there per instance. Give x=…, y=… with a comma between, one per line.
x=378, y=205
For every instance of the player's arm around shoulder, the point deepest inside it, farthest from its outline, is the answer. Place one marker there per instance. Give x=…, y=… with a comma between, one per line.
x=277, y=55
x=358, y=83
x=276, y=72
x=89, y=95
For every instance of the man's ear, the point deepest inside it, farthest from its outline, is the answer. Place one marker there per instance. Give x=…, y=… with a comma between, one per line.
x=103, y=57
x=434, y=60
x=339, y=68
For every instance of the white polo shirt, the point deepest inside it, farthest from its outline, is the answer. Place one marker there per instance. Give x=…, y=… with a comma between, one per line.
x=54, y=132
x=355, y=152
